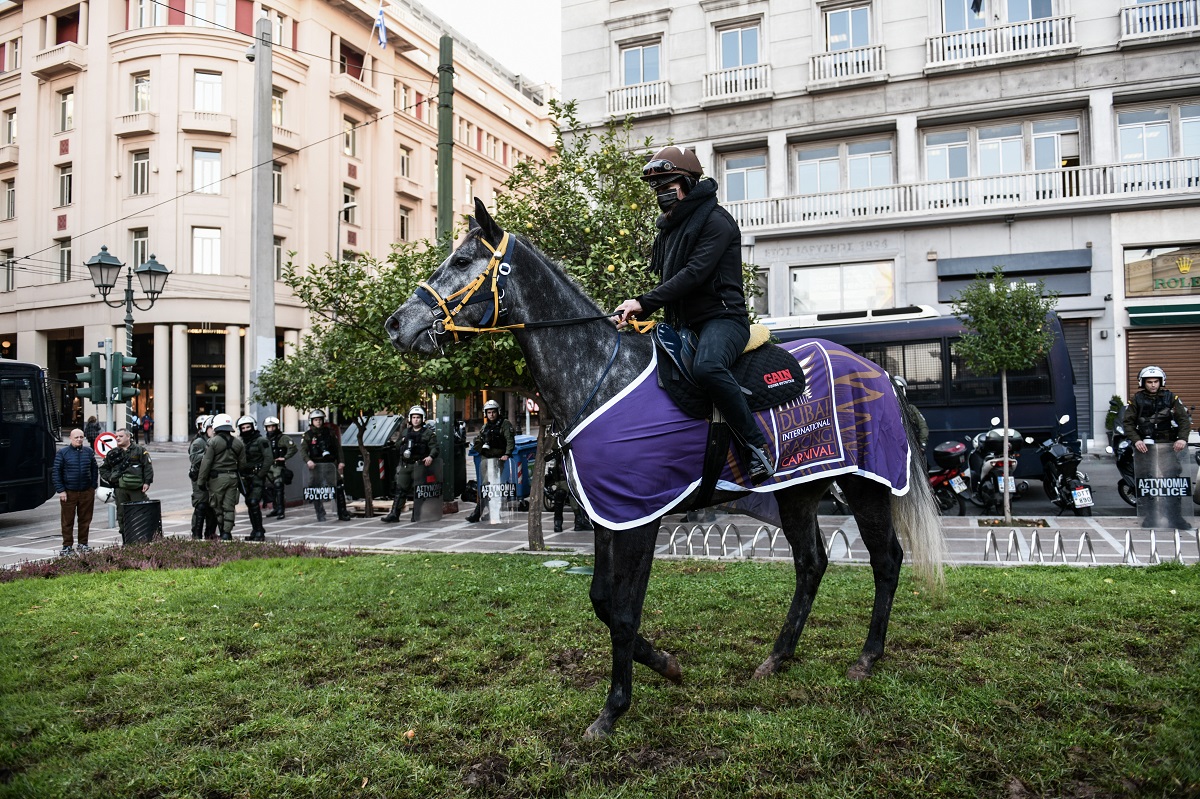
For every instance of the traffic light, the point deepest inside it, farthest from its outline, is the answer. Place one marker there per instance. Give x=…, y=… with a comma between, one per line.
x=123, y=380
x=92, y=378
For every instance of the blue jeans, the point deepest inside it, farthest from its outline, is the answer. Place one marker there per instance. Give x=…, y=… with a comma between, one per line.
x=720, y=343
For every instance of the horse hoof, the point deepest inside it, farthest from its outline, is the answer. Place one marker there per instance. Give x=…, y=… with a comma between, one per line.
x=598, y=731
x=860, y=670
x=672, y=671
x=769, y=667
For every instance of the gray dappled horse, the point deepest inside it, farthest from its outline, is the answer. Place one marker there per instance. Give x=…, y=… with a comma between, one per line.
x=498, y=281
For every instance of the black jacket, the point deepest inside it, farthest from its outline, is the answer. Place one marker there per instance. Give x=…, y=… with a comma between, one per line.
x=75, y=469
x=705, y=281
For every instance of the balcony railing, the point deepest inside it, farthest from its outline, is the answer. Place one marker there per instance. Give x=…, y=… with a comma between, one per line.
x=738, y=83
x=59, y=60
x=1021, y=38
x=285, y=139
x=135, y=124
x=1159, y=19
x=847, y=65
x=8, y=155
x=344, y=87
x=638, y=98
x=1021, y=190
x=206, y=122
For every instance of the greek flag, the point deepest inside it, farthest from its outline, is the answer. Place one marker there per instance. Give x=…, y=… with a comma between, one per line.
x=976, y=7
x=381, y=27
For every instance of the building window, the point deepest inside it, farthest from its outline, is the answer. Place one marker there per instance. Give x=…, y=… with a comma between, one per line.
x=855, y=165
x=349, y=205
x=141, y=246
x=745, y=177
x=349, y=136
x=402, y=97
x=10, y=126
x=148, y=13
x=277, y=107
x=64, y=260
x=141, y=93
x=12, y=55
x=739, y=46
x=206, y=171
x=210, y=13
x=760, y=303
x=405, y=164
x=842, y=287
x=277, y=255
x=1002, y=149
x=279, y=26
x=10, y=198
x=10, y=269
x=640, y=64
x=141, y=172
x=277, y=183
x=66, y=110
x=208, y=92
x=206, y=250
x=64, y=185
x=402, y=224
x=1024, y=10
x=958, y=16
x=468, y=188
x=847, y=28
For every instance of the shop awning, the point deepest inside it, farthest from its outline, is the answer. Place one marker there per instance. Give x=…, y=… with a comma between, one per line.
x=1143, y=315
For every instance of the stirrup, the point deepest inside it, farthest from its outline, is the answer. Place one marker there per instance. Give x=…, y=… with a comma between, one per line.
x=761, y=468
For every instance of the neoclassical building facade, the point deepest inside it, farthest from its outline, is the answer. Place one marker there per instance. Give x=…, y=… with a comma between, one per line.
x=128, y=125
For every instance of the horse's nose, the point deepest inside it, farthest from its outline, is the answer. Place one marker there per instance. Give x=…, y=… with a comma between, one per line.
x=392, y=324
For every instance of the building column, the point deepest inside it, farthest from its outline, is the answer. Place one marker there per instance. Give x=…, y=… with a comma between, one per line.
x=163, y=410
x=83, y=24
x=908, y=151
x=290, y=417
x=33, y=347
x=233, y=370
x=1100, y=111
x=51, y=29
x=777, y=164
x=335, y=57
x=181, y=392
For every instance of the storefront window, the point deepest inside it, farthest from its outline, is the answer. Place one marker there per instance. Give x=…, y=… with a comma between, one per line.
x=843, y=287
x=1162, y=271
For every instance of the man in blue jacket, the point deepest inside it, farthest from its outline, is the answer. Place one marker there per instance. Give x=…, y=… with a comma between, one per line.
x=75, y=479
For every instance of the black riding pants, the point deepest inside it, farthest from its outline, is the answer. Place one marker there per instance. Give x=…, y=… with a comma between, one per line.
x=720, y=343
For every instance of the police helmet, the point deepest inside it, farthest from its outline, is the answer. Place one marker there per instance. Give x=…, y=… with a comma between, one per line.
x=202, y=422
x=223, y=422
x=900, y=383
x=416, y=410
x=1152, y=371
x=247, y=420
x=491, y=405
x=270, y=420
x=317, y=414
x=670, y=164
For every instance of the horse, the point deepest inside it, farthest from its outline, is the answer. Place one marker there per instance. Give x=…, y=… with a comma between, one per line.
x=497, y=281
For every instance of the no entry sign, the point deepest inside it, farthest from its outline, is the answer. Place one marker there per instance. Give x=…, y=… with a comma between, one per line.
x=105, y=442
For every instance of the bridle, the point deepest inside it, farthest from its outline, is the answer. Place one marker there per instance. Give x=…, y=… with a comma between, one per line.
x=488, y=287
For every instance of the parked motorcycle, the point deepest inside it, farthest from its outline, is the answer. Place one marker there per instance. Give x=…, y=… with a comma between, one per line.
x=948, y=480
x=1065, y=486
x=986, y=462
x=1122, y=452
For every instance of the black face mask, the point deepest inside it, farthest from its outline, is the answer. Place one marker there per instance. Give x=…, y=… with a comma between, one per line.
x=667, y=199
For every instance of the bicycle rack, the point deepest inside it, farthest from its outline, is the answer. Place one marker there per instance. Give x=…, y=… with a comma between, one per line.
x=1128, y=555
x=1035, y=547
x=1085, y=536
x=725, y=535
x=845, y=540
x=1014, y=542
x=1058, y=549
x=990, y=544
x=1154, y=558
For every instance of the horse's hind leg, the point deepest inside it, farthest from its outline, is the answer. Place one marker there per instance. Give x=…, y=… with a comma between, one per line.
x=622, y=571
x=872, y=506
x=798, y=515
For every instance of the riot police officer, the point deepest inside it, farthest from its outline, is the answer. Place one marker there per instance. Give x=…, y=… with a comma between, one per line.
x=282, y=448
x=496, y=441
x=204, y=520
x=128, y=470
x=1155, y=414
x=322, y=451
x=418, y=448
x=254, y=475
x=224, y=460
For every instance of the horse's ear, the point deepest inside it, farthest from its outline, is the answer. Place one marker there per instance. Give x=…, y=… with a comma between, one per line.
x=491, y=231
x=472, y=225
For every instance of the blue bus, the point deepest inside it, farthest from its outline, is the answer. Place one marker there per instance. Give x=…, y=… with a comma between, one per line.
x=919, y=343
x=29, y=432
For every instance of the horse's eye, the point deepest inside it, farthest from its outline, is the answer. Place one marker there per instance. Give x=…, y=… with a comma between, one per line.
x=460, y=261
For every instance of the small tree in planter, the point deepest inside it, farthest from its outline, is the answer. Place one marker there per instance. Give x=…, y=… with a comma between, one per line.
x=1006, y=330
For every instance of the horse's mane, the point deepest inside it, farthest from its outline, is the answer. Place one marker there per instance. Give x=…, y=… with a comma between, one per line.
x=557, y=267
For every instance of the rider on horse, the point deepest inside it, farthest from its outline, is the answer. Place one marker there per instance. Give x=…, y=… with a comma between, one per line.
x=697, y=256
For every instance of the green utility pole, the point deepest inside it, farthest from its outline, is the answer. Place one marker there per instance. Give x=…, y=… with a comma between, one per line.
x=444, y=406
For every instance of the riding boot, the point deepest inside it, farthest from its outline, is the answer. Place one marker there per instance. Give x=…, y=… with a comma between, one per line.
x=397, y=508
x=198, y=521
x=558, y=514
x=339, y=498
x=760, y=466
x=320, y=506
x=582, y=522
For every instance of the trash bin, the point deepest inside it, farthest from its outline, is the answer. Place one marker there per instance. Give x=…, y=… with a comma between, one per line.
x=524, y=455
x=378, y=431
x=143, y=522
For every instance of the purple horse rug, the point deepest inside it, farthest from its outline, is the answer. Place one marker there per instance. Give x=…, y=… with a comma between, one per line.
x=639, y=455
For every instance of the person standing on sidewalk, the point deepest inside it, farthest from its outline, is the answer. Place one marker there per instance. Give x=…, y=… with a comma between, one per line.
x=496, y=440
x=75, y=480
x=282, y=448
x=224, y=459
x=254, y=475
x=322, y=452
x=418, y=450
x=128, y=470
x=204, y=521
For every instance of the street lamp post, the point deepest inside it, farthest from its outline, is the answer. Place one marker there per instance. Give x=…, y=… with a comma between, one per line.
x=341, y=213
x=105, y=269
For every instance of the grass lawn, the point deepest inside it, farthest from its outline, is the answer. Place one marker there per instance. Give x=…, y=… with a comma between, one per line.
x=471, y=675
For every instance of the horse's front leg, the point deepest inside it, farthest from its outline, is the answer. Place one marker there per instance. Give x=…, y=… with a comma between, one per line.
x=798, y=517
x=872, y=510
x=619, y=582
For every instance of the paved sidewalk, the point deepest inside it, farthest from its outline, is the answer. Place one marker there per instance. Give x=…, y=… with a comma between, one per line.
x=1064, y=539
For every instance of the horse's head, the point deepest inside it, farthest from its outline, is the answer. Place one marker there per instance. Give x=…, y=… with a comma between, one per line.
x=464, y=294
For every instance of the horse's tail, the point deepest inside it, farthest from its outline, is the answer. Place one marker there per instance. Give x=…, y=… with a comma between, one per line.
x=916, y=519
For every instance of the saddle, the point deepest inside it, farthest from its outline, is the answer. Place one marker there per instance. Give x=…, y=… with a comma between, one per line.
x=767, y=374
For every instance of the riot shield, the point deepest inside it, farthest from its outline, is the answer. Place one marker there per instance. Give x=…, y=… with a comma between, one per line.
x=1163, y=486
x=497, y=491
x=427, y=492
